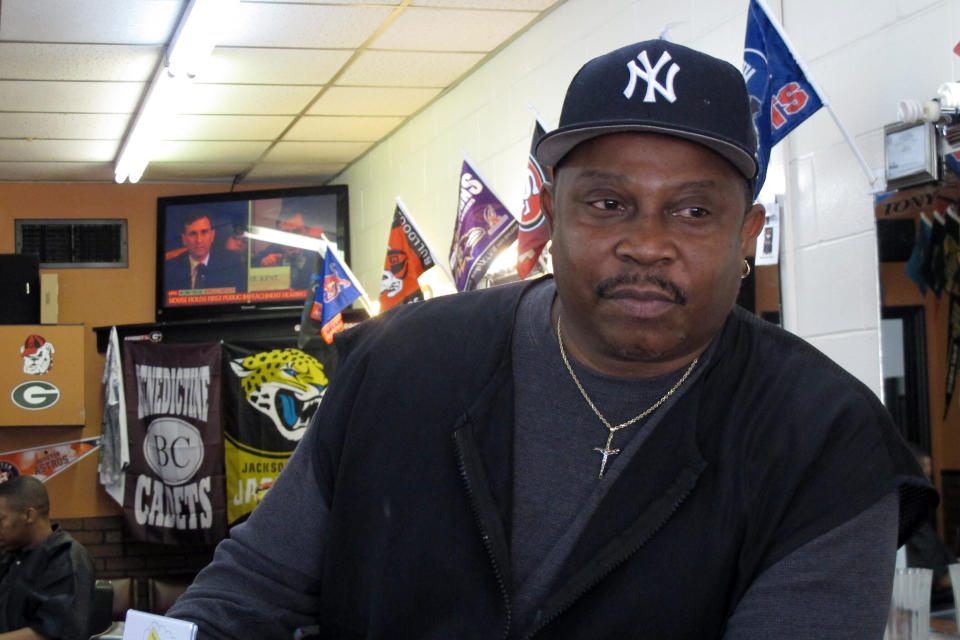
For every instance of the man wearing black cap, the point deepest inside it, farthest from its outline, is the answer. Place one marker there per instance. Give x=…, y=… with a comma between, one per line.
x=614, y=452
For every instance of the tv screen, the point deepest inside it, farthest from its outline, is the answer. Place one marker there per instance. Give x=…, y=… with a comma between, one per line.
x=209, y=264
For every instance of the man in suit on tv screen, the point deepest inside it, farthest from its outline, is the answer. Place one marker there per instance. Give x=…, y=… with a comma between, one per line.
x=203, y=265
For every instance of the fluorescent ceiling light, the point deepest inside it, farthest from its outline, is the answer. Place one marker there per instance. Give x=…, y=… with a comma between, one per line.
x=202, y=24
x=288, y=239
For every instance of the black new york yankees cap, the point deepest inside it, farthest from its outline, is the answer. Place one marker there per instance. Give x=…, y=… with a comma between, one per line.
x=661, y=87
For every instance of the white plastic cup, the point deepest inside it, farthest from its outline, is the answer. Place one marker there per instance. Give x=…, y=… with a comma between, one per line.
x=955, y=583
x=909, y=617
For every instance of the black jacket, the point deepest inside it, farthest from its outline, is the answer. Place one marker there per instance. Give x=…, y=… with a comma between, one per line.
x=772, y=446
x=48, y=588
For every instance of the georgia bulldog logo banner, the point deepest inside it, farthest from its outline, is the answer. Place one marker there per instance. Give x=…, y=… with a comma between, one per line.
x=270, y=395
x=174, y=491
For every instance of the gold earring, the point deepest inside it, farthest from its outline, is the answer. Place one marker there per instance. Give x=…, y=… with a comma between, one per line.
x=746, y=269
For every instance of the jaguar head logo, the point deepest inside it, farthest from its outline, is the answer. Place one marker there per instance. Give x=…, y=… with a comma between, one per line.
x=286, y=385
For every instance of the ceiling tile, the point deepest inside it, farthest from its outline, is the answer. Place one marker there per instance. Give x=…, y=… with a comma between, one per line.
x=193, y=171
x=342, y=128
x=225, y=127
x=408, y=69
x=372, y=101
x=59, y=150
x=43, y=61
x=451, y=29
x=56, y=171
x=345, y=2
x=106, y=21
x=209, y=151
x=70, y=97
x=519, y=5
x=249, y=99
x=323, y=152
x=285, y=172
x=64, y=126
x=304, y=25
x=273, y=66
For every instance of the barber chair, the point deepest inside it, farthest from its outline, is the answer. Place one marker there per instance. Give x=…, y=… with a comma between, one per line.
x=163, y=592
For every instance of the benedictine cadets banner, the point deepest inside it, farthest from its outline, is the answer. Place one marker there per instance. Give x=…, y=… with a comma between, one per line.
x=484, y=228
x=174, y=491
x=270, y=393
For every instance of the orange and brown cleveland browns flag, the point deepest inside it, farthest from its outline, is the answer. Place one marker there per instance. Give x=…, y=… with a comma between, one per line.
x=408, y=257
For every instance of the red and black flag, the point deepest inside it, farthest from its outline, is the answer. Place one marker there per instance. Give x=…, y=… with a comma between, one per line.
x=534, y=231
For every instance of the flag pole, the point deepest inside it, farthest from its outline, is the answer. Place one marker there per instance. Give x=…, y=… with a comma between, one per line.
x=871, y=177
x=486, y=182
x=433, y=254
x=324, y=246
x=537, y=117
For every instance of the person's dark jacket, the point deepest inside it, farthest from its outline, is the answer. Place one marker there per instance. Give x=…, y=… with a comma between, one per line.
x=48, y=588
x=771, y=447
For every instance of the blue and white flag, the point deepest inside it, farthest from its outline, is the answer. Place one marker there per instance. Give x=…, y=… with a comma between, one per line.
x=484, y=228
x=781, y=96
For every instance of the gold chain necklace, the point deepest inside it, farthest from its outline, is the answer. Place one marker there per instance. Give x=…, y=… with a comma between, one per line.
x=606, y=451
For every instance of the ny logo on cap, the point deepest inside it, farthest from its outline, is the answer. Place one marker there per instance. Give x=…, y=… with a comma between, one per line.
x=649, y=75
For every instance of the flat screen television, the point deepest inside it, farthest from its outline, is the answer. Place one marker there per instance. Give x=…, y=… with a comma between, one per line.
x=210, y=266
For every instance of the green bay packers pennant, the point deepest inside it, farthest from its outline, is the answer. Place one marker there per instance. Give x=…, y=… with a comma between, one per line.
x=270, y=394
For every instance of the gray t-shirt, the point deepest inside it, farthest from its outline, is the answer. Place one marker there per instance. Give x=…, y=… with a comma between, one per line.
x=556, y=486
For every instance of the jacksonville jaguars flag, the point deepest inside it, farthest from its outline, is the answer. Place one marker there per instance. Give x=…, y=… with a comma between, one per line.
x=408, y=257
x=534, y=232
x=781, y=96
x=484, y=228
x=271, y=391
x=173, y=490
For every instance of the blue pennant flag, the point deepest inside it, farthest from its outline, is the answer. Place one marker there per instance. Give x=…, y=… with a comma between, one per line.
x=781, y=96
x=335, y=291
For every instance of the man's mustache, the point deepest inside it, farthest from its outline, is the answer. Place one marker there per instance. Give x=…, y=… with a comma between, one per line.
x=669, y=287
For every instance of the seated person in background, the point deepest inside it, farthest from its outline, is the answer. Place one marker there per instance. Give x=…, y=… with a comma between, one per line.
x=203, y=265
x=926, y=549
x=46, y=577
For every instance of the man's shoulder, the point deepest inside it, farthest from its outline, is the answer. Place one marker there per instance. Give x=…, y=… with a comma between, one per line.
x=225, y=257
x=770, y=347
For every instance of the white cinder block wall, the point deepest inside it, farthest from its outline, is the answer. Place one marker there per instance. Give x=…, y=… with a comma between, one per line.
x=865, y=55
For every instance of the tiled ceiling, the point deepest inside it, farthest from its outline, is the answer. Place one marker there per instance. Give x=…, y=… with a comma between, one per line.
x=297, y=90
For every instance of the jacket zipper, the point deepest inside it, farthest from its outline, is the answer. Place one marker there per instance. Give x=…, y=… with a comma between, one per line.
x=576, y=596
x=485, y=537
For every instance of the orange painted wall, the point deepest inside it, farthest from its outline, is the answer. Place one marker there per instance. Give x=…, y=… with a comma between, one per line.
x=94, y=298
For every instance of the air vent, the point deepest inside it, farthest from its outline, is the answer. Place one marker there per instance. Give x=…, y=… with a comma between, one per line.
x=67, y=244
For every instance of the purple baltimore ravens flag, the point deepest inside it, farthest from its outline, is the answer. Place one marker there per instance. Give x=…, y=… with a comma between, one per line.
x=484, y=228
x=781, y=97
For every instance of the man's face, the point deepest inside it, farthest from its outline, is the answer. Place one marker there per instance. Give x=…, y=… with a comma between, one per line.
x=14, y=533
x=649, y=236
x=198, y=238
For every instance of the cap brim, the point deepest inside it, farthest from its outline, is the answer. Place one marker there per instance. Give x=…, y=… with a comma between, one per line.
x=558, y=143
